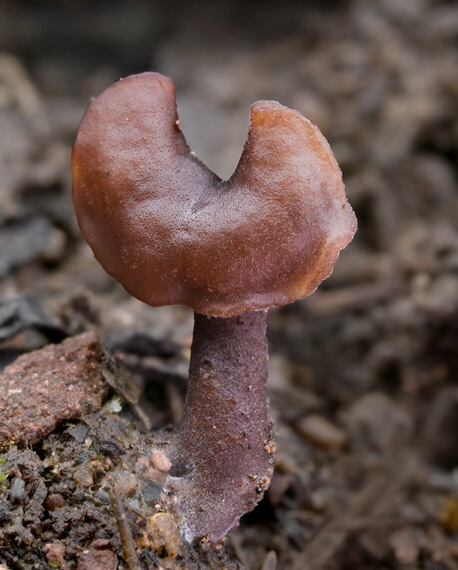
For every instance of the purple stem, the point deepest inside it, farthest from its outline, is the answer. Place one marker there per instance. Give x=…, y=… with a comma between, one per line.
x=222, y=453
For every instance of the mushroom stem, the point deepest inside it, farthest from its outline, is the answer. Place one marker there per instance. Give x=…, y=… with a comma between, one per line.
x=222, y=453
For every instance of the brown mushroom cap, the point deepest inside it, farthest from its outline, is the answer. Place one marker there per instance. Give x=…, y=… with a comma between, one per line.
x=172, y=232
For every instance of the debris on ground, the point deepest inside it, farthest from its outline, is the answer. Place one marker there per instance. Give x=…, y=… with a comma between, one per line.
x=363, y=372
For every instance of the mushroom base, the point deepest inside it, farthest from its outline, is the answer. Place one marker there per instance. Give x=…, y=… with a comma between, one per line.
x=222, y=454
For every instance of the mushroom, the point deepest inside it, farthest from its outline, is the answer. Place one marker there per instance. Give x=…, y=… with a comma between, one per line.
x=172, y=232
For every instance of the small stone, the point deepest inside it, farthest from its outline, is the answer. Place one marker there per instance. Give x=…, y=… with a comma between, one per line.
x=270, y=561
x=101, y=544
x=160, y=461
x=110, y=448
x=55, y=552
x=97, y=560
x=18, y=491
x=53, y=502
x=151, y=491
x=103, y=497
x=114, y=406
x=405, y=546
x=78, y=432
x=44, y=387
x=318, y=500
x=84, y=476
x=321, y=432
x=40, y=493
x=164, y=534
x=126, y=482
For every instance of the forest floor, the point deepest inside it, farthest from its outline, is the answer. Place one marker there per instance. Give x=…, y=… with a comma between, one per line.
x=363, y=374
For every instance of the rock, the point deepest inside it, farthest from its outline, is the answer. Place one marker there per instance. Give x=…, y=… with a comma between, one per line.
x=270, y=561
x=405, y=546
x=53, y=502
x=110, y=448
x=160, y=461
x=103, y=497
x=18, y=491
x=164, y=535
x=97, y=560
x=84, y=475
x=151, y=491
x=78, y=432
x=55, y=552
x=126, y=482
x=376, y=423
x=44, y=387
x=321, y=432
x=101, y=544
x=40, y=493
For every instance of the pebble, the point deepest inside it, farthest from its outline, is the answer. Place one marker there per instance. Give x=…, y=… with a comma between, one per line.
x=55, y=552
x=84, y=476
x=101, y=544
x=126, y=482
x=114, y=406
x=322, y=432
x=40, y=493
x=270, y=561
x=160, y=461
x=53, y=502
x=103, y=497
x=18, y=491
x=97, y=560
x=405, y=546
x=78, y=432
x=151, y=491
x=164, y=534
x=44, y=387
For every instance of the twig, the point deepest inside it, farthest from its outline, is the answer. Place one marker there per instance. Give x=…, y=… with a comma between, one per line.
x=127, y=541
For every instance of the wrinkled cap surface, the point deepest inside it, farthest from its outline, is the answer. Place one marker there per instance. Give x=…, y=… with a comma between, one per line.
x=172, y=232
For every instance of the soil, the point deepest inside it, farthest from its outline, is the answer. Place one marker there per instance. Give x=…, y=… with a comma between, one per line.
x=363, y=373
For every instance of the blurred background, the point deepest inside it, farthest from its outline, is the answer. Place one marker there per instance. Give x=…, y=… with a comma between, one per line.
x=364, y=373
